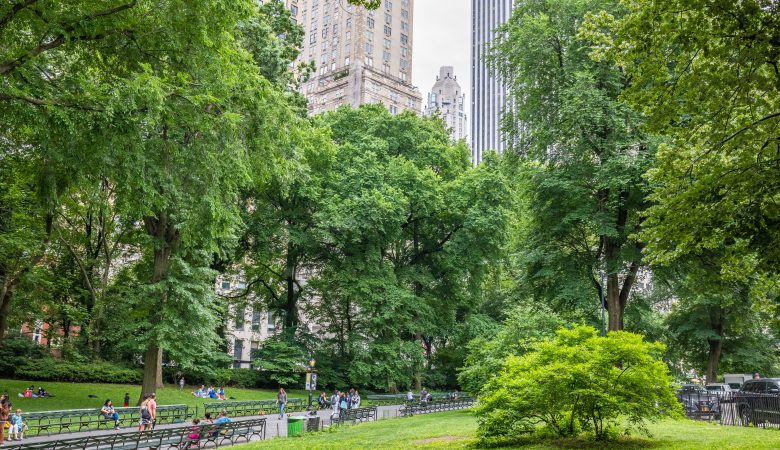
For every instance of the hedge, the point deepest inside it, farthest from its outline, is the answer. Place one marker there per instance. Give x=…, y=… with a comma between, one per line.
x=49, y=369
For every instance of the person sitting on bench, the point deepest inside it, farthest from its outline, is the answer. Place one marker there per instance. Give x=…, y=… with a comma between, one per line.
x=110, y=414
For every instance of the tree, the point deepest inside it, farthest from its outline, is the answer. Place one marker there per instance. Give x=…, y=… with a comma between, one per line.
x=585, y=153
x=706, y=75
x=579, y=381
x=523, y=329
x=408, y=227
x=714, y=320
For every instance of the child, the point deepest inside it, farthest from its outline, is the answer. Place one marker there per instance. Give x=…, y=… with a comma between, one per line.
x=126, y=403
x=16, y=432
x=194, y=435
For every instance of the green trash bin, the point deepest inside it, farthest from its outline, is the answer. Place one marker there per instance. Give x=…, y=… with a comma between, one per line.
x=295, y=426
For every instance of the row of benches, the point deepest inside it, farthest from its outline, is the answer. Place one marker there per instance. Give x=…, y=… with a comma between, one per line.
x=161, y=439
x=242, y=408
x=355, y=415
x=73, y=420
x=409, y=410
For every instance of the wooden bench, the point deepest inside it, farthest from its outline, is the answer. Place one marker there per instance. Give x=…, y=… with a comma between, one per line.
x=72, y=420
x=355, y=415
x=172, y=438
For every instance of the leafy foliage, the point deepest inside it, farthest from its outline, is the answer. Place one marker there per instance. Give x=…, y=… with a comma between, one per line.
x=584, y=155
x=706, y=75
x=579, y=381
x=282, y=359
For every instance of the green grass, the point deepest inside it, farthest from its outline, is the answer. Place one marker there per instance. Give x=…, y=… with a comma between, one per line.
x=76, y=395
x=456, y=430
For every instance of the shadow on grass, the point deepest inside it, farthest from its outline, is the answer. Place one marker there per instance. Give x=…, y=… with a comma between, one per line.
x=621, y=443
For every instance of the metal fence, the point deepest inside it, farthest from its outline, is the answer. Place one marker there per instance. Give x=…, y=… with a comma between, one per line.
x=733, y=408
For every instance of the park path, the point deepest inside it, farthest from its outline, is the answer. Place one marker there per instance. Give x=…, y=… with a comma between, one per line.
x=275, y=427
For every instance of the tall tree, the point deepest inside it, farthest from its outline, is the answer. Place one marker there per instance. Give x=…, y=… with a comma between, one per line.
x=706, y=75
x=409, y=226
x=585, y=150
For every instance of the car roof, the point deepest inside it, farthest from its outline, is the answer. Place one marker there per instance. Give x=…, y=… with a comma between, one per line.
x=717, y=384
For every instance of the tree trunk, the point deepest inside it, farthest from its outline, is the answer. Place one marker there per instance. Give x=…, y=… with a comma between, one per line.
x=5, y=308
x=152, y=371
x=716, y=345
x=714, y=358
x=614, y=308
x=291, y=307
x=167, y=238
x=418, y=368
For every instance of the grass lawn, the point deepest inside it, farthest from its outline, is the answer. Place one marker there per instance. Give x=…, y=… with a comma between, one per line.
x=76, y=395
x=456, y=430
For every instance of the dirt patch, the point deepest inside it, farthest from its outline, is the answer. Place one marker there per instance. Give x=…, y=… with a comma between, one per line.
x=440, y=439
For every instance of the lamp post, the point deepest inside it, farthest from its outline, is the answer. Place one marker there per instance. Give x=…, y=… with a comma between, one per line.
x=311, y=378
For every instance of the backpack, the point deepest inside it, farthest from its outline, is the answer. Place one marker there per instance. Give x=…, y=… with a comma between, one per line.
x=145, y=414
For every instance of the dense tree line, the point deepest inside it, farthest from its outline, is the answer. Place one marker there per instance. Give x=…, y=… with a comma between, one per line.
x=148, y=146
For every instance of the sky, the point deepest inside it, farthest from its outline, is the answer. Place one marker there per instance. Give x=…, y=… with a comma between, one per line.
x=441, y=38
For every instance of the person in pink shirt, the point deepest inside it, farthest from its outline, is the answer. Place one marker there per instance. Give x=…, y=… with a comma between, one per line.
x=153, y=408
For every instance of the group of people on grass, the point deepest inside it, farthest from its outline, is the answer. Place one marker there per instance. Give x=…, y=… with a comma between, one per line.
x=339, y=401
x=215, y=394
x=12, y=426
x=31, y=393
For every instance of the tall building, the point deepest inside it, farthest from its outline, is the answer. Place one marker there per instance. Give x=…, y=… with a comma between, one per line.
x=448, y=100
x=488, y=95
x=362, y=56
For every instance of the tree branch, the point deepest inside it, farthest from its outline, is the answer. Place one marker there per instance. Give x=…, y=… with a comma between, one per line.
x=14, y=10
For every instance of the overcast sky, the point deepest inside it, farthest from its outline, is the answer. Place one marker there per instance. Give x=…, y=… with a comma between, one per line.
x=441, y=38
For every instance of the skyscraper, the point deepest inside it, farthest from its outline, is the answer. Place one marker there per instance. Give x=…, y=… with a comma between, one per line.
x=448, y=99
x=488, y=95
x=362, y=56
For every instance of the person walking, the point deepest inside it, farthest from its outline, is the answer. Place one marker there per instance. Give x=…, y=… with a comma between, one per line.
x=109, y=413
x=126, y=402
x=153, y=408
x=181, y=383
x=5, y=411
x=281, y=401
x=356, y=400
x=145, y=422
x=334, y=402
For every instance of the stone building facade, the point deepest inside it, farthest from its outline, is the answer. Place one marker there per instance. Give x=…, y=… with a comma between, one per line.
x=361, y=56
x=448, y=101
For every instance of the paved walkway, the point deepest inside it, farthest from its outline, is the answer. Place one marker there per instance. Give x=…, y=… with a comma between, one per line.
x=275, y=427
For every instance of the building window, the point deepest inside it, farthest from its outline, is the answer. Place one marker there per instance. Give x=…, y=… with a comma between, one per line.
x=238, y=351
x=404, y=26
x=324, y=33
x=313, y=36
x=346, y=61
x=404, y=51
x=370, y=36
x=370, y=22
x=393, y=109
x=369, y=61
x=402, y=76
x=388, y=5
x=37, y=332
x=253, y=347
x=270, y=324
x=225, y=285
x=404, y=63
x=388, y=30
x=369, y=48
x=348, y=35
x=240, y=318
x=387, y=43
x=404, y=39
x=256, y=319
x=388, y=19
x=404, y=13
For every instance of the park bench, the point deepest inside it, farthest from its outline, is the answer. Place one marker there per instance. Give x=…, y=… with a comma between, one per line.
x=171, y=438
x=355, y=415
x=242, y=408
x=411, y=409
x=72, y=420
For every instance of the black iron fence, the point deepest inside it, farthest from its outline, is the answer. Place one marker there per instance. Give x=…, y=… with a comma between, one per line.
x=733, y=408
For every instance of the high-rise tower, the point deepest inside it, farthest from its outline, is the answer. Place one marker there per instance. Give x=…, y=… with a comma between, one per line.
x=448, y=99
x=488, y=95
x=362, y=56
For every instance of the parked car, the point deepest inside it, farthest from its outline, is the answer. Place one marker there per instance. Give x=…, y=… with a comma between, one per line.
x=759, y=401
x=719, y=389
x=698, y=402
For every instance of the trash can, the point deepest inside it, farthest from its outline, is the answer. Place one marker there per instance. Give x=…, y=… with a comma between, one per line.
x=295, y=426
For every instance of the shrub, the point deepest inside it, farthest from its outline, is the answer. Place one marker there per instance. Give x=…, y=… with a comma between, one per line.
x=579, y=381
x=15, y=350
x=49, y=369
